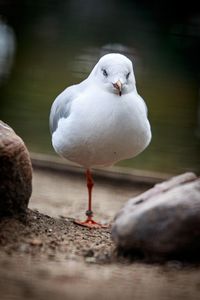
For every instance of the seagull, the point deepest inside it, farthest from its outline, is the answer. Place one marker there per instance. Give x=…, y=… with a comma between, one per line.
x=100, y=121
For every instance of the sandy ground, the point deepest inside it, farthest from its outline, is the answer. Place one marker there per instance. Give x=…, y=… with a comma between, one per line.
x=60, y=194
x=47, y=256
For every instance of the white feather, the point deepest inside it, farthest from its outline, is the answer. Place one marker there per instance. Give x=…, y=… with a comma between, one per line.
x=92, y=125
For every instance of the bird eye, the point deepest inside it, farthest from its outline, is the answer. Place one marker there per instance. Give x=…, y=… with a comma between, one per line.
x=105, y=73
x=127, y=75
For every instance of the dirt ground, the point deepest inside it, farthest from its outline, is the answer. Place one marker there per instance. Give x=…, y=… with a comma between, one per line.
x=47, y=256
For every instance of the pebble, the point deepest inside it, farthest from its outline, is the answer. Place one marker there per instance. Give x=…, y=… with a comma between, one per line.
x=36, y=242
x=90, y=260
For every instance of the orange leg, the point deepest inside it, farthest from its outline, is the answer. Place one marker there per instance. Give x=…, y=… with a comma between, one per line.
x=89, y=222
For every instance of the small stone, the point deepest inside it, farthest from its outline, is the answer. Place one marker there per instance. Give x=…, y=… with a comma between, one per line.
x=90, y=260
x=164, y=221
x=36, y=242
x=23, y=248
x=174, y=264
x=89, y=253
x=15, y=173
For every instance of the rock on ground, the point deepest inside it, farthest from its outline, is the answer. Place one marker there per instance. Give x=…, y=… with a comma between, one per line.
x=164, y=221
x=15, y=173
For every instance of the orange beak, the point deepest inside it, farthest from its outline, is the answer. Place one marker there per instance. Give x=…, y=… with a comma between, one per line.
x=118, y=86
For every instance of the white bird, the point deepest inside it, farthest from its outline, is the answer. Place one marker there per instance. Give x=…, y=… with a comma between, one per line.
x=101, y=120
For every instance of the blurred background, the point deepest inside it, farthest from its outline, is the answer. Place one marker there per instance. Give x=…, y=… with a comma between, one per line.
x=47, y=45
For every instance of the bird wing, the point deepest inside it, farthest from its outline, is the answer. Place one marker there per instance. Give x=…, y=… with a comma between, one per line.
x=61, y=107
x=145, y=106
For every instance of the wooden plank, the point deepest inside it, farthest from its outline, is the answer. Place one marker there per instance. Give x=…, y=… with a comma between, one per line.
x=55, y=163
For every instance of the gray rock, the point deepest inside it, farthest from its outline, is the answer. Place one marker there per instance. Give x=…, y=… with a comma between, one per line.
x=15, y=173
x=164, y=221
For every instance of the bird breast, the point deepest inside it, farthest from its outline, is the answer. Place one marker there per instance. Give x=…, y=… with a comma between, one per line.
x=103, y=130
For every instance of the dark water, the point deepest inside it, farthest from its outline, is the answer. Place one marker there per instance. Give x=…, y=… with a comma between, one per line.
x=48, y=45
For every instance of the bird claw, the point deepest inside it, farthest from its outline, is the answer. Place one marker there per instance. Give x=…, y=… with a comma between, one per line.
x=91, y=224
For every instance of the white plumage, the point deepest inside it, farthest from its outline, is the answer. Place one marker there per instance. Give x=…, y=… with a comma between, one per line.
x=103, y=119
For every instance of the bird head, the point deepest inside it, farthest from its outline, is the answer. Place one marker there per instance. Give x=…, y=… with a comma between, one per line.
x=114, y=73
